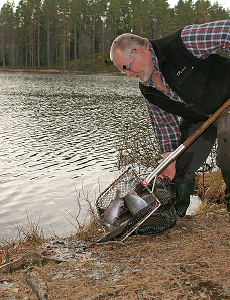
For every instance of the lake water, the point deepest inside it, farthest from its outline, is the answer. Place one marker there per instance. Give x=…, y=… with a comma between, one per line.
x=59, y=134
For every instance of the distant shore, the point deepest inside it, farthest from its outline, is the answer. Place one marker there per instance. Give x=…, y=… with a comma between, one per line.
x=87, y=70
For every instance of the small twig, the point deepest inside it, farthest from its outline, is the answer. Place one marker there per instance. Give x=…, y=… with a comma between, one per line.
x=79, y=205
x=86, y=198
x=71, y=222
x=53, y=231
x=70, y=214
x=4, y=240
x=179, y=284
x=107, y=293
x=110, y=243
x=99, y=186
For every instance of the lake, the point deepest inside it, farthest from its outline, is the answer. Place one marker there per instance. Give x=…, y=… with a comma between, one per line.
x=60, y=135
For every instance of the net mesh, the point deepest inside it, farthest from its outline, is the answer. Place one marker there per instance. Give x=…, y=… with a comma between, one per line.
x=125, y=183
x=163, y=218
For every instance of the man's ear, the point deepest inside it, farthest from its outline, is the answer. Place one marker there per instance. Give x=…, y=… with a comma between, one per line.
x=141, y=52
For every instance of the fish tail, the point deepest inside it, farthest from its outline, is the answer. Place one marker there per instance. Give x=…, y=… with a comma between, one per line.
x=104, y=224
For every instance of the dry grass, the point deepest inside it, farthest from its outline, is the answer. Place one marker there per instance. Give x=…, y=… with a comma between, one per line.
x=210, y=187
x=30, y=236
x=188, y=261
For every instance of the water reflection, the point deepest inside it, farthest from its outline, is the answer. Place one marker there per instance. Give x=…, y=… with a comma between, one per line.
x=56, y=131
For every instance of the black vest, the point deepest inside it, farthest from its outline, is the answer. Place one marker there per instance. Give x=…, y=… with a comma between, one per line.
x=203, y=84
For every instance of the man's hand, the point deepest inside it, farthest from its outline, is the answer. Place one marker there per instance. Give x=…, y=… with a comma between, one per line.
x=169, y=171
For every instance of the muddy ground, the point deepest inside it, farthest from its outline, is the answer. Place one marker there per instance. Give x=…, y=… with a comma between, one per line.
x=188, y=261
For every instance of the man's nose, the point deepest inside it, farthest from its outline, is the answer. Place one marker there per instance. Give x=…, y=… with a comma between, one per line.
x=129, y=73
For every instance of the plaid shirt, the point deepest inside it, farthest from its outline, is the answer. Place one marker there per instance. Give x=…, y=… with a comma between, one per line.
x=201, y=40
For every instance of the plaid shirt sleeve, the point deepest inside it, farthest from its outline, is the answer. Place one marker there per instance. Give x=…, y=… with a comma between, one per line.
x=165, y=126
x=209, y=38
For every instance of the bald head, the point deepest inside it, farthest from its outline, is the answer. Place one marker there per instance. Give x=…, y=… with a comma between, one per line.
x=126, y=42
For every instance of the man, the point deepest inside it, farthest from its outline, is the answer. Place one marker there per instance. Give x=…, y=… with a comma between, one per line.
x=183, y=75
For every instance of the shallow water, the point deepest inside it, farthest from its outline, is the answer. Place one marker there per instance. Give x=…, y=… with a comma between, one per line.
x=59, y=135
x=195, y=202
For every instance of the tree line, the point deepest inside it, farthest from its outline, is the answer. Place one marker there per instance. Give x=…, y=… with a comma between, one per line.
x=47, y=33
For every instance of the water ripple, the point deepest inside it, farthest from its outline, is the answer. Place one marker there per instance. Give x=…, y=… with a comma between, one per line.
x=58, y=131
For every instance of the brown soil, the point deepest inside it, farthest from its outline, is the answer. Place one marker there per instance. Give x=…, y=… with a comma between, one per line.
x=189, y=261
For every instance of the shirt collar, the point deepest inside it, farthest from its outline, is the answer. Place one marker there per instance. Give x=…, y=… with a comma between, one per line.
x=156, y=66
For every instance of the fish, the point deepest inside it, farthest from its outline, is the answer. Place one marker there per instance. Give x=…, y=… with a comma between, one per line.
x=113, y=233
x=134, y=203
x=111, y=213
x=123, y=217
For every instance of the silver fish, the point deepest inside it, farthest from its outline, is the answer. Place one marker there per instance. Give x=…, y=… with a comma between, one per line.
x=123, y=217
x=111, y=213
x=134, y=203
x=113, y=233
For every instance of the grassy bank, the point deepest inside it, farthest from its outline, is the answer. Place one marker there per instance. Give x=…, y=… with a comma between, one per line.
x=188, y=261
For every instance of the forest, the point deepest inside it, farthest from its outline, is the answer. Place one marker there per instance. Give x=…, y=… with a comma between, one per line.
x=74, y=34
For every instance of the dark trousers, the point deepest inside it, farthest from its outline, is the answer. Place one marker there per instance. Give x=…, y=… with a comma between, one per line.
x=193, y=158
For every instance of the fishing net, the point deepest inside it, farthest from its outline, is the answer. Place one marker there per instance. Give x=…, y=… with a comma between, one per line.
x=156, y=217
x=125, y=183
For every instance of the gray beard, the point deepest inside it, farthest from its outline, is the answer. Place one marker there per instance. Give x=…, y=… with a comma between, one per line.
x=146, y=78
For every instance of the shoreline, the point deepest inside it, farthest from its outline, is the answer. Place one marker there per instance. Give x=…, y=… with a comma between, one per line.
x=92, y=71
x=188, y=261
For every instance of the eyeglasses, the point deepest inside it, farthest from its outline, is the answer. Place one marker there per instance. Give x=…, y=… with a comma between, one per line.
x=125, y=69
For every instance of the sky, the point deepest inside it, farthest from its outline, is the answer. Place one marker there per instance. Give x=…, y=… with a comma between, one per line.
x=224, y=3
x=172, y=3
